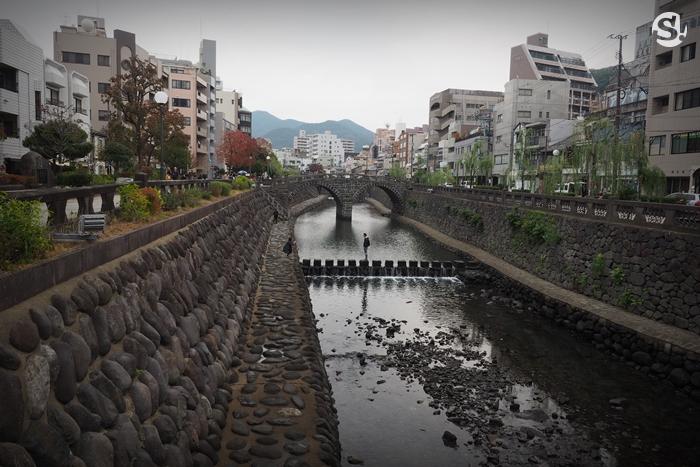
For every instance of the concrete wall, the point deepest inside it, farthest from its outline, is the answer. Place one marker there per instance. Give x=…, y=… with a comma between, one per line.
x=132, y=364
x=661, y=270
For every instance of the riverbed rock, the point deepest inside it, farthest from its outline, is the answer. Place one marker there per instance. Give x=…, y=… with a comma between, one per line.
x=24, y=335
x=37, y=384
x=96, y=450
x=14, y=455
x=9, y=358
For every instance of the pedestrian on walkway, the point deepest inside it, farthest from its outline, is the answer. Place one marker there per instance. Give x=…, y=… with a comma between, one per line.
x=275, y=215
x=365, y=244
x=288, y=247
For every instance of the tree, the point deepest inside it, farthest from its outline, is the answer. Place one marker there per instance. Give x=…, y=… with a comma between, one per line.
x=175, y=142
x=129, y=95
x=237, y=150
x=59, y=141
x=176, y=155
x=316, y=168
x=397, y=172
x=118, y=155
x=485, y=167
x=523, y=155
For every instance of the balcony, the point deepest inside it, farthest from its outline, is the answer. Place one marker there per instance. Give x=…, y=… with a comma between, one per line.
x=201, y=115
x=201, y=132
x=55, y=102
x=202, y=98
x=201, y=82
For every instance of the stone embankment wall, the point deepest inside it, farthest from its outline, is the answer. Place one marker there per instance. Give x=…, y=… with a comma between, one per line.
x=653, y=273
x=134, y=364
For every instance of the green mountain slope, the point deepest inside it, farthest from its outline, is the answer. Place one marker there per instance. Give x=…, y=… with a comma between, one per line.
x=281, y=132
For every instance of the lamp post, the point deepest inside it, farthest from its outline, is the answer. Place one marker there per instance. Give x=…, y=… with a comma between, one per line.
x=161, y=99
x=269, y=175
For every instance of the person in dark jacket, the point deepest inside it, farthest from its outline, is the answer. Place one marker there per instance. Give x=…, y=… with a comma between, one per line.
x=275, y=215
x=365, y=244
x=288, y=247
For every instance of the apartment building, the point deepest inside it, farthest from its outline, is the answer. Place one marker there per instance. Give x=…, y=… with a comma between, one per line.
x=454, y=112
x=408, y=144
x=673, y=110
x=188, y=94
x=21, y=90
x=533, y=104
x=325, y=149
x=67, y=91
x=231, y=104
x=348, y=146
x=537, y=61
x=86, y=49
x=301, y=142
x=207, y=67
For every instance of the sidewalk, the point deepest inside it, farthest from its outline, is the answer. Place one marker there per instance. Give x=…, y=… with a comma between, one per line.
x=655, y=330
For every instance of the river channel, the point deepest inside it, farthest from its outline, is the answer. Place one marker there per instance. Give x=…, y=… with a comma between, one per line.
x=436, y=372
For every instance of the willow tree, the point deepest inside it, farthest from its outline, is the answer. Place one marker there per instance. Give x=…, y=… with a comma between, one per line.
x=523, y=155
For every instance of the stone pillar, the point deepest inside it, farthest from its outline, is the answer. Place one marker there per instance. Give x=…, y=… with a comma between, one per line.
x=344, y=210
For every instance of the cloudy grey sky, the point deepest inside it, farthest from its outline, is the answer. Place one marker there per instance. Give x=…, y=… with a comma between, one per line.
x=373, y=61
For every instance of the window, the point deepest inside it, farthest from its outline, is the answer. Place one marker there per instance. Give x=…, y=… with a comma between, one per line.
x=499, y=138
x=659, y=105
x=8, y=123
x=683, y=143
x=187, y=121
x=664, y=59
x=677, y=184
x=549, y=68
x=37, y=105
x=687, y=52
x=501, y=159
x=103, y=115
x=524, y=114
x=103, y=60
x=53, y=97
x=688, y=99
x=75, y=57
x=657, y=145
x=524, y=92
x=540, y=114
x=499, y=118
x=103, y=88
x=547, y=114
x=177, y=102
x=177, y=71
x=233, y=102
x=181, y=84
x=8, y=78
x=78, y=105
x=549, y=94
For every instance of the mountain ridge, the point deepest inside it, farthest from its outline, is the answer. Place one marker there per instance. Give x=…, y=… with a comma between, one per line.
x=282, y=131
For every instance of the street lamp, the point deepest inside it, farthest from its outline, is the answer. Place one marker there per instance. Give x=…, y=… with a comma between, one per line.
x=268, y=166
x=161, y=99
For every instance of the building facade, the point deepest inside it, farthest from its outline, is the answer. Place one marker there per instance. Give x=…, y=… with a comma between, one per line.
x=21, y=90
x=673, y=109
x=454, y=112
x=326, y=149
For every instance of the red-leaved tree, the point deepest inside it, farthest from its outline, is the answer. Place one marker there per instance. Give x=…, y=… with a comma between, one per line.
x=237, y=150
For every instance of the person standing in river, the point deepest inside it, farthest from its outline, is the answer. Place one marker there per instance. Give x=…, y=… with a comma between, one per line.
x=365, y=244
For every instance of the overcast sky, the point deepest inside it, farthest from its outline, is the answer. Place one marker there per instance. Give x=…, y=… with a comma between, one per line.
x=372, y=61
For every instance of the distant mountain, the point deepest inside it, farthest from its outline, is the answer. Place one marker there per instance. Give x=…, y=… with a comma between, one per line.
x=282, y=132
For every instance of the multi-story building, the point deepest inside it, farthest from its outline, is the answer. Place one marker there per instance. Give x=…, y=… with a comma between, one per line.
x=673, y=110
x=207, y=66
x=534, y=104
x=325, y=149
x=301, y=142
x=348, y=146
x=409, y=142
x=454, y=112
x=231, y=104
x=188, y=95
x=67, y=91
x=87, y=49
x=535, y=60
x=21, y=90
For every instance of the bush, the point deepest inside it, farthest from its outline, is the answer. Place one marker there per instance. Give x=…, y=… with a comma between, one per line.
x=134, y=205
x=154, y=199
x=74, y=178
x=537, y=227
x=22, y=236
x=206, y=194
x=598, y=265
x=102, y=179
x=191, y=197
x=12, y=179
x=241, y=182
x=220, y=188
x=172, y=201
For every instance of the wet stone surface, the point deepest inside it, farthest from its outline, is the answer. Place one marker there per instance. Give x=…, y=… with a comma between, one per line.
x=281, y=407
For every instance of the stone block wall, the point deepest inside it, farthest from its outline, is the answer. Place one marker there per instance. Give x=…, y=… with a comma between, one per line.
x=654, y=273
x=133, y=365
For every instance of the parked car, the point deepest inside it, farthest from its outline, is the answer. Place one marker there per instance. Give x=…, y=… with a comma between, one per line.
x=572, y=188
x=448, y=185
x=691, y=199
x=124, y=180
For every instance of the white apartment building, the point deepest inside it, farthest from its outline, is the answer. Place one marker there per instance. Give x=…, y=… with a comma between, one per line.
x=67, y=90
x=21, y=89
x=301, y=142
x=325, y=149
x=348, y=145
x=290, y=158
x=231, y=104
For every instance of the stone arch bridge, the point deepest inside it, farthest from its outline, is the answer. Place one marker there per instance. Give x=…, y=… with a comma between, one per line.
x=345, y=190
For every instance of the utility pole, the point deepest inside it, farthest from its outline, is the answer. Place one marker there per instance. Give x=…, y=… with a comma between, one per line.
x=620, y=38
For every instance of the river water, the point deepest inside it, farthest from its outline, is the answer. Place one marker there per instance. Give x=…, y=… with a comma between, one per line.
x=410, y=359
